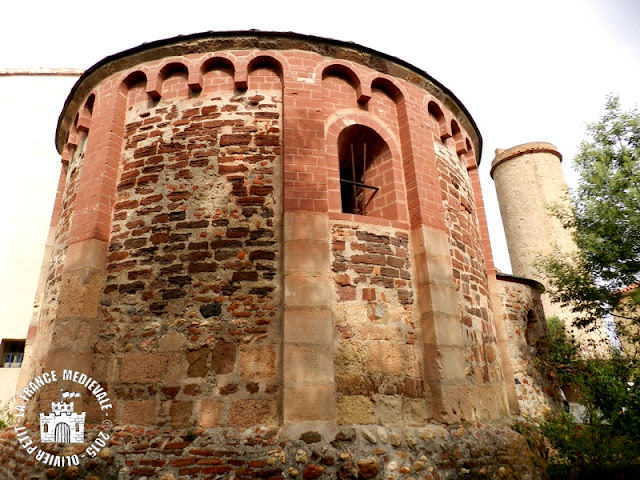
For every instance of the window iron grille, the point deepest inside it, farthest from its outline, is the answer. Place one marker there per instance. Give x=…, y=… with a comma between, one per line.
x=359, y=188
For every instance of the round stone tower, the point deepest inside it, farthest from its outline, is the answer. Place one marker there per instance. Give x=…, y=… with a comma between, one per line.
x=275, y=237
x=529, y=182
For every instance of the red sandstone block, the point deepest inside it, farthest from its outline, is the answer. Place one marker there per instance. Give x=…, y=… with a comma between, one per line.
x=346, y=293
x=368, y=294
x=248, y=276
x=188, y=472
x=240, y=139
x=227, y=169
x=176, y=445
x=179, y=462
x=217, y=469
x=150, y=471
x=208, y=461
x=203, y=267
x=146, y=179
x=129, y=174
x=209, y=109
x=151, y=199
x=260, y=190
x=115, y=256
x=251, y=200
x=372, y=259
x=267, y=140
x=201, y=452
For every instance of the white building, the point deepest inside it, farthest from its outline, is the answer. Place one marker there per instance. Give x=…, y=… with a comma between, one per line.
x=31, y=165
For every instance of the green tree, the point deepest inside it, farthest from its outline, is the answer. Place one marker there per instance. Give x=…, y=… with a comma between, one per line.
x=605, y=442
x=605, y=223
x=6, y=414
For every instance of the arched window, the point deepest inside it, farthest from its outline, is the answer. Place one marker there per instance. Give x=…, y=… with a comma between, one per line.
x=364, y=156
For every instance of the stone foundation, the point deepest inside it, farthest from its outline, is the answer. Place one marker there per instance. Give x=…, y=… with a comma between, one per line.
x=432, y=451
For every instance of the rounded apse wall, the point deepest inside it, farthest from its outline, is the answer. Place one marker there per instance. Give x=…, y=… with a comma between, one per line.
x=207, y=270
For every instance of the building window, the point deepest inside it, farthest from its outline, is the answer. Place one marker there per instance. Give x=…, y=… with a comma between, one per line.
x=363, y=156
x=12, y=352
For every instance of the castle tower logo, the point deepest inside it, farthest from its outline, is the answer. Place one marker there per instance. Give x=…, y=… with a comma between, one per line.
x=62, y=425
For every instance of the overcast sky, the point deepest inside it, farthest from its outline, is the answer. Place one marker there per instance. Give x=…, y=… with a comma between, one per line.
x=526, y=70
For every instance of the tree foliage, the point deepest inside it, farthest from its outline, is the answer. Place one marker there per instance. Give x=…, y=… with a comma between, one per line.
x=600, y=279
x=605, y=223
x=605, y=441
x=6, y=414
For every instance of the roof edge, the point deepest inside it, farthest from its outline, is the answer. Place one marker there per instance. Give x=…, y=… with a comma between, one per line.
x=532, y=147
x=522, y=280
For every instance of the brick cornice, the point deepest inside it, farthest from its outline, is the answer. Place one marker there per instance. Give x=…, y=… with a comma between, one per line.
x=200, y=43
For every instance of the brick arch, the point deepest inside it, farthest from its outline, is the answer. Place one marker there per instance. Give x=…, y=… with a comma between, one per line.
x=444, y=129
x=389, y=96
x=259, y=60
x=75, y=139
x=211, y=60
x=261, y=81
x=198, y=70
x=90, y=102
x=468, y=144
x=393, y=91
x=132, y=79
x=199, y=76
x=80, y=126
x=208, y=63
x=172, y=67
x=340, y=120
x=344, y=70
x=470, y=156
x=256, y=60
x=393, y=185
x=459, y=144
x=83, y=119
x=158, y=76
x=72, y=137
